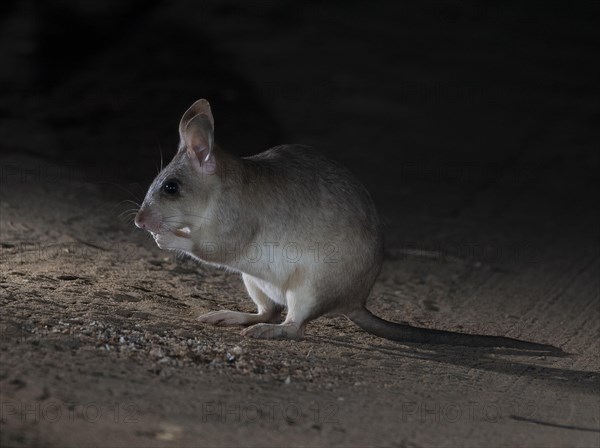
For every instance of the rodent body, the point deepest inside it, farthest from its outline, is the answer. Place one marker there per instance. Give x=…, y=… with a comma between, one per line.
x=302, y=230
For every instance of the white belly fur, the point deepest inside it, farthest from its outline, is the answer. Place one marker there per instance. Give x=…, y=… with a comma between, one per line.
x=275, y=293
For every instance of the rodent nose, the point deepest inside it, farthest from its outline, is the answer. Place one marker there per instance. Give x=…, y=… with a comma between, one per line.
x=140, y=220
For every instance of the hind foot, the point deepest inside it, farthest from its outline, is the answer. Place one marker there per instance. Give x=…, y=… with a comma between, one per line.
x=226, y=318
x=274, y=331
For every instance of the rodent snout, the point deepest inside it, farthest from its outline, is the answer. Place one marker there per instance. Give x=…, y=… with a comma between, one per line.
x=141, y=219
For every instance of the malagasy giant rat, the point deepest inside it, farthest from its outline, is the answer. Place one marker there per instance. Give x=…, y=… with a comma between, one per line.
x=301, y=229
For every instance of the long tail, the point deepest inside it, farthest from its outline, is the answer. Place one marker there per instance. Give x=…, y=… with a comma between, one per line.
x=407, y=333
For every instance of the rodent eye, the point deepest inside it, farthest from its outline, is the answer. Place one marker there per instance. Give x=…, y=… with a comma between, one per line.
x=171, y=187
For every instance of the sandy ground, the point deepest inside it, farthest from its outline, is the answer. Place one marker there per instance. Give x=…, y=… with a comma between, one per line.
x=481, y=155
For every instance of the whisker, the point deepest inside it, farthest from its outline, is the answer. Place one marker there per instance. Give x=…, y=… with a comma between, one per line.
x=185, y=216
x=130, y=211
x=176, y=222
x=126, y=201
x=161, y=156
x=113, y=184
x=129, y=201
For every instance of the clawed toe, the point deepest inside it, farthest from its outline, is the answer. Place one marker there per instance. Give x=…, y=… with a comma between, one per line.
x=273, y=331
x=226, y=318
x=222, y=318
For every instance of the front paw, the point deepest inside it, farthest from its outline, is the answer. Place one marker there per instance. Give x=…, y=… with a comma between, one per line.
x=170, y=241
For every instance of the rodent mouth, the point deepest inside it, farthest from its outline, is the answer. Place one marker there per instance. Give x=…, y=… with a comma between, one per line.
x=183, y=232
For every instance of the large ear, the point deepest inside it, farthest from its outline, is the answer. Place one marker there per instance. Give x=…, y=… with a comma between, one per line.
x=199, y=107
x=197, y=138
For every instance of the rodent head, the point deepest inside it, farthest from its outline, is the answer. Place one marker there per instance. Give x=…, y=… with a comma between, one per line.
x=178, y=201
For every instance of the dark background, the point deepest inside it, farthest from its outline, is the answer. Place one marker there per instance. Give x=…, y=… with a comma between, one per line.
x=466, y=121
x=451, y=112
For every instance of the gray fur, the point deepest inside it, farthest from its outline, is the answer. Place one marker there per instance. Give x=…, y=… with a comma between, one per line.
x=287, y=196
